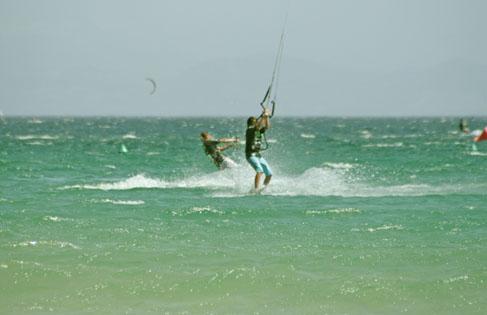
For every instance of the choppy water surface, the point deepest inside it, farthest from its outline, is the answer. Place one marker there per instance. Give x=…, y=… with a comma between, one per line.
x=363, y=216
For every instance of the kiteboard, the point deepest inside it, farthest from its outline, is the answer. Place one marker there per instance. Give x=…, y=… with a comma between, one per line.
x=228, y=163
x=257, y=191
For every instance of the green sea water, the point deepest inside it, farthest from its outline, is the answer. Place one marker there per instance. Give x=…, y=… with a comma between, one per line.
x=363, y=216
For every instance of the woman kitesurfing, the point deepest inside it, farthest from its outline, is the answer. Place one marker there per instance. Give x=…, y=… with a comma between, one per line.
x=256, y=127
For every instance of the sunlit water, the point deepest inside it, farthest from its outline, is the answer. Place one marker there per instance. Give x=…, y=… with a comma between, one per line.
x=363, y=216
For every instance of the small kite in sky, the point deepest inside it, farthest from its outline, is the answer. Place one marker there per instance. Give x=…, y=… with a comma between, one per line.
x=154, y=85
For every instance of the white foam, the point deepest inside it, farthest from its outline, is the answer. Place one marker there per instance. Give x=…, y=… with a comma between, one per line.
x=455, y=279
x=130, y=135
x=383, y=145
x=345, y=166
x=413, y=135
x=39, y=143
x=123, y=202
x=205, y=209
x=308, y=136
x=138, y=181
x=56, y=219
x=334, y=179
x=219, y=179
x=51, y=243
x=333, y=211
x=36, y=137
x=477, y=153
x=385, y=228
x=365, y=134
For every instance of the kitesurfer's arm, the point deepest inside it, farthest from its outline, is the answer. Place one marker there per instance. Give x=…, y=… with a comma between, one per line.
x=264, y=122
x=223, y=148
x=228, y=140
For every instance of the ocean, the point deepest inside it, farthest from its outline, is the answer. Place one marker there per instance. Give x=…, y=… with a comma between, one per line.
x=362, y=216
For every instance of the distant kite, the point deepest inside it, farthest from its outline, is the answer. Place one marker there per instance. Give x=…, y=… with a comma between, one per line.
x=154, y=85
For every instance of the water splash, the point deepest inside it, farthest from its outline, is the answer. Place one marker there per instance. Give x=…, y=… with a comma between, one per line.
x=332, y=179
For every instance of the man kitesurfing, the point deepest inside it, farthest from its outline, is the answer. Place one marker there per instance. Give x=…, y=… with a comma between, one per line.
x=478, y=134
x=463, y=126
x=213, y=150
x=256, y=127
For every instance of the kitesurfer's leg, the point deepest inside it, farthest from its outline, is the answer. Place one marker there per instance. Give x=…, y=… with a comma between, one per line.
x=267, y=171
x=258, y=175
x=267, y=180
x=254, y=162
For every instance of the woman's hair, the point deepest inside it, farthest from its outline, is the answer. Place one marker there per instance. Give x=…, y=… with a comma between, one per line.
x=251, y=121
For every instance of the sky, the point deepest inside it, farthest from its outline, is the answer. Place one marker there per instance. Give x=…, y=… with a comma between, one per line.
x=215, y=58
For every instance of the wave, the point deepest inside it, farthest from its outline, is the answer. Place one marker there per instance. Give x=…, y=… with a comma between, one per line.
x=332, y=179
x=56, y=219
x=383, y=145
x=36, y=137
x=39, y=143
x=333, y=211
x=308, y=136
x=455, y=279
x=385, y=228
x=129, y=136
x=477, y=153
x=122, y=202
x=138, y=181
x=207, y=209
x=365, y=134
x=345, y=166
x=50, y=243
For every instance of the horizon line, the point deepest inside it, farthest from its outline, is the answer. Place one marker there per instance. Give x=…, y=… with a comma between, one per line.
x=239, y=116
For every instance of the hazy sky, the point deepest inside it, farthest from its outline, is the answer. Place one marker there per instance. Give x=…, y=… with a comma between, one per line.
x=61, y=57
